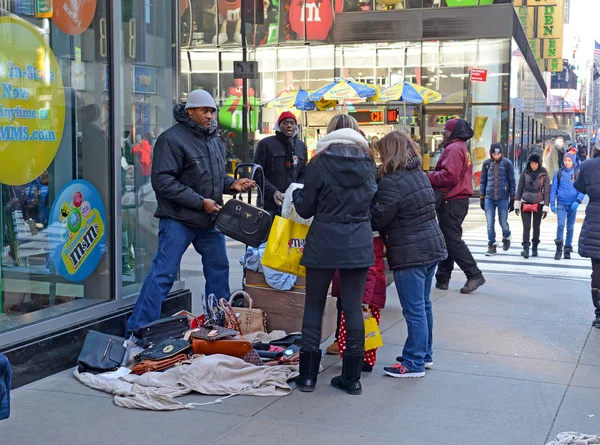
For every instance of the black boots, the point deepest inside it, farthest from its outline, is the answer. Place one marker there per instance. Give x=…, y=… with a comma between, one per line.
x=525, y=251
x=309, y=370
x=559, y=249
x=472, y=284
x=568, y=251
x=491, y=250
x=505, y=244
x=349, y=381
x=534, y=246
x=596, y=301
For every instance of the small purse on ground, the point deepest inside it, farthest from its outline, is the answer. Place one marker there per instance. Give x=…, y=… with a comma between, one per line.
x=233, y=347
x=166, y=349
x=101, y=353
x=161, y=330
x=250, y=319
x=218, y=333
x=157, y=365
x=533, y=208
x=214, y=315
x=231, y=320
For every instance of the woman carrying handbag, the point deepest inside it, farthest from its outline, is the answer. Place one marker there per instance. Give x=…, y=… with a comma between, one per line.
x=533, y=196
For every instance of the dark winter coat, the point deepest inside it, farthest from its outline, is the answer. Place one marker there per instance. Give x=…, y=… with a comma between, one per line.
x=189, y=165
x=274, y=154
x=453, y=174
x=498, y=179
x=338, y=191
x=588, y=183
x=534, y=187
x=404, y=213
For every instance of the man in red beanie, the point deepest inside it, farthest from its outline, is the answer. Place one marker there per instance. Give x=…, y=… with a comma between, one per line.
x=452, y=182
x=283, y=158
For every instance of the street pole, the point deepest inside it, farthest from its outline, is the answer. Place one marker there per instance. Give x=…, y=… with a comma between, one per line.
x=245, y=149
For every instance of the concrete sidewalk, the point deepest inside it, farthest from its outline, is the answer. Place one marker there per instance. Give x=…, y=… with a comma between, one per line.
x=515, y=363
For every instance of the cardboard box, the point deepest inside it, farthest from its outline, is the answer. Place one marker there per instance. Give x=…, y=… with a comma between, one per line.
x=258, y=279
x=285, y=309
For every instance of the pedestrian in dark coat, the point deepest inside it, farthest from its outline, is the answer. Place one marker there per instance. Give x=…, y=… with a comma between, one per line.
x=283, y=159
x=497, y=193
x=534, y=189
x=404, y=212
x=452, y=180
x=5, y=382
x=588, y=183
x=339, y=187
x=189, y=178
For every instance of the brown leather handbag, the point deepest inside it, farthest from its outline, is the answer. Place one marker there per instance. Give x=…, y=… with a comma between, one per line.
x=250, y=319
x=233, y=347
x=157, y=365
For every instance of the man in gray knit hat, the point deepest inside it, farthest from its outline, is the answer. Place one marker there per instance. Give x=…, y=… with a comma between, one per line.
x=189, y=178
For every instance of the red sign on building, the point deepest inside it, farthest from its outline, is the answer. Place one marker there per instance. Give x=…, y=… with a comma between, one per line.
x=478, y=75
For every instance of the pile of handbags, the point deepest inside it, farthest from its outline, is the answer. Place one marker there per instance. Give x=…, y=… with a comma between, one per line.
x=182, y=337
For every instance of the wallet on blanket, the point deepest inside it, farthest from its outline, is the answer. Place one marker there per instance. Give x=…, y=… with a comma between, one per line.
x=165, y=350
x=233, y=347
x=213, y=333
x=157, y=365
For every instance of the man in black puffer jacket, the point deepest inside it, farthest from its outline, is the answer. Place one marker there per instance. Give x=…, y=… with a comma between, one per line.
x=189, y=178
x=283, y=158
x=588, y=183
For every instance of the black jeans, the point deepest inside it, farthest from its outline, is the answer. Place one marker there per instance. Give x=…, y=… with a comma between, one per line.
x=451, y=215
x=537, y=221
x=317, y=284
x=596, y=284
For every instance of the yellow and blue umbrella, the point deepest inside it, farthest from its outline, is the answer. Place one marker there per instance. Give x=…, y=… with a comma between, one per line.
x=410, y=92
x=343, y=89
x=299, y=99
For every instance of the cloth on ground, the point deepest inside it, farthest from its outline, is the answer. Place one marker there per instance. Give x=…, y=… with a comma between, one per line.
x=575, y=439
x=252, y=260
x=263, y=337
x=217, y=374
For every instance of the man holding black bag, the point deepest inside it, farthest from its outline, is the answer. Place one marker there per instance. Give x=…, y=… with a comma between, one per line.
x=189, y=178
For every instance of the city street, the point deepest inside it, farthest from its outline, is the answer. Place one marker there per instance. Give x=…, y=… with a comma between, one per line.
x=515, y=363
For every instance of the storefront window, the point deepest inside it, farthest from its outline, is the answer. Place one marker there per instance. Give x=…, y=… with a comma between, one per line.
x=198, y=23
x=147, y=94
x=55, y=160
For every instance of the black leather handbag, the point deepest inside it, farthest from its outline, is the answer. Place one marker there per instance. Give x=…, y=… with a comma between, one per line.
x=166, y=349
x=242, y=221
x=161, y=330
x=101, y=353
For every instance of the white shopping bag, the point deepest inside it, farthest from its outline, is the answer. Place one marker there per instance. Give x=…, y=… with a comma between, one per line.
x=288, y=211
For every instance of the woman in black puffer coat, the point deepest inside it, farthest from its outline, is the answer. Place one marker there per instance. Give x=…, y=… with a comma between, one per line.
x=338, y=191
x=534, y=188
x=588, y=183
x=404, y=212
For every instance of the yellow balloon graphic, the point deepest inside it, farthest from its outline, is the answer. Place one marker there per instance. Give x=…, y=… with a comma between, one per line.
x=32, y=102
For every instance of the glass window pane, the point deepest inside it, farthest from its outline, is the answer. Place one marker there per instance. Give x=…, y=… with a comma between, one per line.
x=197, y=23
x=62, y=136
x=147, y=100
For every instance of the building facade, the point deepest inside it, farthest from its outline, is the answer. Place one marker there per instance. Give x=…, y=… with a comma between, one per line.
x=84, y=85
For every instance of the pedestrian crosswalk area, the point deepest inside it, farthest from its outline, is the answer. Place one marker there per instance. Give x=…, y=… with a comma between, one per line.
x=511, y=261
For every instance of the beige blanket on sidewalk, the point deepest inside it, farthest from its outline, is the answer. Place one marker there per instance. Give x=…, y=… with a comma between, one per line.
x=575, y=439
x=219, y=375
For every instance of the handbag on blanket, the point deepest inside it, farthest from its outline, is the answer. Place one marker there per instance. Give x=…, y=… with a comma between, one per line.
x=161, y=330
x=101, y=353
x=233, y=347
x=166, y=349
x=250, y=319
x=157, y=365
x=213, y=332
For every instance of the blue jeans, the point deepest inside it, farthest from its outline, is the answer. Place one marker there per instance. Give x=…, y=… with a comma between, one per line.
x=490, y=215
x=566, y=216
x=173, y=240
x=414, y=287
